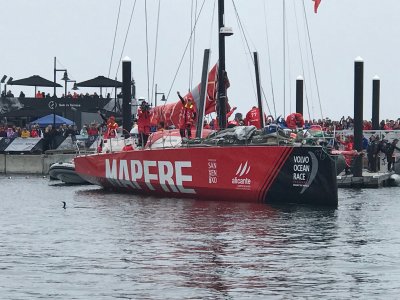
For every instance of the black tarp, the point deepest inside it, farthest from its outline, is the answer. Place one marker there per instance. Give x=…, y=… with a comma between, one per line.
x=35, y=80
x=100, y=81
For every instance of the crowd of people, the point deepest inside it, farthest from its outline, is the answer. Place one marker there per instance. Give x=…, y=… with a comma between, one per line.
x=74, y=95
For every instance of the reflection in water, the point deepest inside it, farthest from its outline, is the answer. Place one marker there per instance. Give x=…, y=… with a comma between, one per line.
x=107, y=245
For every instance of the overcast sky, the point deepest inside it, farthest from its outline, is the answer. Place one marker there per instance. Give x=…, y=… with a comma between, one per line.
x=80, y=34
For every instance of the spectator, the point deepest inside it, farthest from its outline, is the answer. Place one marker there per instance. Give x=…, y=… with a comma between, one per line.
x=25, y=133
x=38, y=95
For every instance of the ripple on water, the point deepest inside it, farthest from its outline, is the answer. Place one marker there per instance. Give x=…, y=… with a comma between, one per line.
x=108, y=245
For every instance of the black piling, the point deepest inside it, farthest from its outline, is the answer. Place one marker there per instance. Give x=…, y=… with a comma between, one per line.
x=376, y=90
x=299, y=94
x=221, y=105
x=203, y=93
x=126, y=95
x=258, y=84
x=358, y=113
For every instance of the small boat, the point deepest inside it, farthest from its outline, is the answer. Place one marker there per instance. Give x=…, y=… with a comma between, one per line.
x=65, y=171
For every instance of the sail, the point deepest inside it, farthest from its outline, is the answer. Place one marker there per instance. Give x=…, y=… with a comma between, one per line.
x=171, y=114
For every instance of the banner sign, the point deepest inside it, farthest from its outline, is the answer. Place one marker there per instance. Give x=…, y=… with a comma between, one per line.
x=25, y=145
x=4, y=143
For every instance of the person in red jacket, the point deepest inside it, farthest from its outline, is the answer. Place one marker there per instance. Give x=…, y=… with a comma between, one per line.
x=348, y=151
x=188, y=116
x=112, y=127
x=253, y=118
x=295, y=120
x=143, y=123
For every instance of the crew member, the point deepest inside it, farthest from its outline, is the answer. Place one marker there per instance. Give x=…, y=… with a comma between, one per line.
x=348, y=147
x=188, y=116
x=295, y=120
x=128, y=146
x=143, y=123
x=112, y=127
x=253, y=118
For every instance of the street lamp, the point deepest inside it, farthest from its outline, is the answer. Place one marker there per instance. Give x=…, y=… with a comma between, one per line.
x=54, y=95
x=162, y=98
x=66, y=80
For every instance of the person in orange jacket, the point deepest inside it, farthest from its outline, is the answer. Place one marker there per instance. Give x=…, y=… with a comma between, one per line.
x=112, y=127
x=188, y=116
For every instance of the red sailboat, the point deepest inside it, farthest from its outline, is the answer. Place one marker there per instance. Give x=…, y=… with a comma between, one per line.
x=251, y=169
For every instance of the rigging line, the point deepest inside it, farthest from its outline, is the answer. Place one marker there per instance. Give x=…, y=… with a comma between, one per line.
x=309, y=74
x=184, y=52
x=289, y=66
x=301, y=58
x=312, y=58
x=115, y=36
x=190, y=46
x=155, y=51
x=269, y=59
x=284, y=59
x=194, y=47
x=212, y=25
x=147, y=52
x=245, y=44
x=126, y=37
x=248, y=48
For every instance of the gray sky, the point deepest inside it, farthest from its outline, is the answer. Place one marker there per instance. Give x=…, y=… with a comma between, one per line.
x=80, y=34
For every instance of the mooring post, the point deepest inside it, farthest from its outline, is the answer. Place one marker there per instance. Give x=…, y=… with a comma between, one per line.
x=126, y=95
x=299, y=94
x=358, y=114
x=376, y=90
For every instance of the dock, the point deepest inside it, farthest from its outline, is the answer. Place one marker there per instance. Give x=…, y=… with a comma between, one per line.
x=368, y=180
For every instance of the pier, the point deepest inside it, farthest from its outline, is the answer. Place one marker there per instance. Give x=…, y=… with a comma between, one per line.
x=368, y=180
x=31, y=164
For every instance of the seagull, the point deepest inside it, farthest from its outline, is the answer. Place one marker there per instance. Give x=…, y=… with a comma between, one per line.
x=64, y=204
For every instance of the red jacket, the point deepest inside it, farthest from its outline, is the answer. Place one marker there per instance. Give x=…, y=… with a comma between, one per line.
x=253, y=118
x=294, y=120
x=112, y=126
x=188, y=114
x=143, y=121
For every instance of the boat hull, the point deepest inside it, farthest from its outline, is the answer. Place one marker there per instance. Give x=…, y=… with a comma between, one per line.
x=66, y=173
x=265, y=174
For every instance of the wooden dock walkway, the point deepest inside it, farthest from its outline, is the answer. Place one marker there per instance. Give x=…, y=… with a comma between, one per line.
x=369, y=180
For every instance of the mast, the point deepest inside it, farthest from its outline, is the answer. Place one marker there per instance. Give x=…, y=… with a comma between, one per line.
x=221, y=107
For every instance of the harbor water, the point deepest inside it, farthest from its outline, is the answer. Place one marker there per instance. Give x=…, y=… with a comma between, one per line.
x=119, y=246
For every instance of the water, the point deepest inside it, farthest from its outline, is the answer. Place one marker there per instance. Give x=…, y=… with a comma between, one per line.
x=118, y=246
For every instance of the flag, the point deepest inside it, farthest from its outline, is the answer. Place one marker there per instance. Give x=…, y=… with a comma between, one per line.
x=316, y=4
